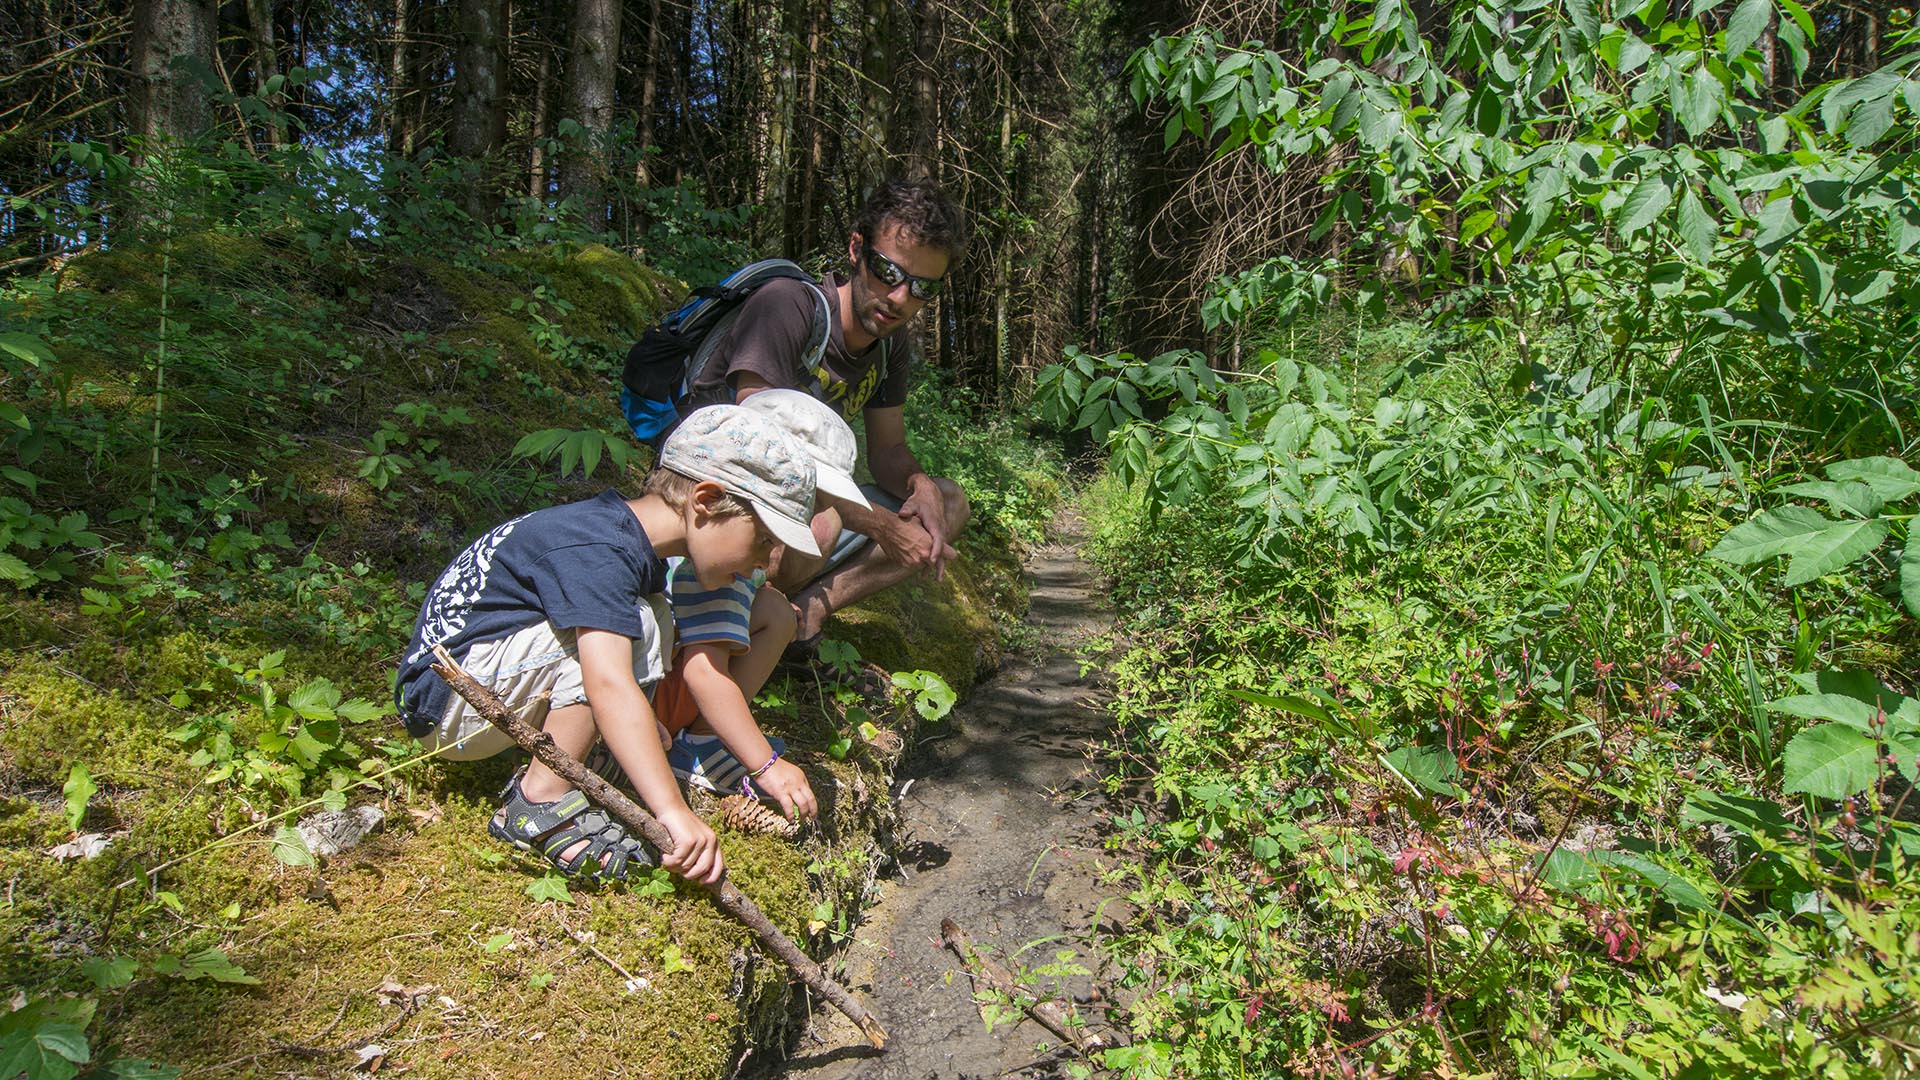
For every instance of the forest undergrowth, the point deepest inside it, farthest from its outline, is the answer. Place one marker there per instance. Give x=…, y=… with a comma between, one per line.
x=235, y=446
x=1492, y=758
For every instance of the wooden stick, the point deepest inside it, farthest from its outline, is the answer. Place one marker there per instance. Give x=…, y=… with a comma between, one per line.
x=731, y=900
x=1001, y=980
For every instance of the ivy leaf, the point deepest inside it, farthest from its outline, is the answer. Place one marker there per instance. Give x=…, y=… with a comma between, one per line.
x=1645, y=203
x=45, y=1040
x=550, y=887
x=1830, y=761
x=1748, y=22
x=78, y=789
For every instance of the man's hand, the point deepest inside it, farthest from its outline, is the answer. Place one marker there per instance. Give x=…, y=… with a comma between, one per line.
x=696, y=850
x=785, y=782
x=928, y=509
x=904, y=539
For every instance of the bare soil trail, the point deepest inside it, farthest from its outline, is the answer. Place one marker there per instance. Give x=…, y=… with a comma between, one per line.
x=999, y=824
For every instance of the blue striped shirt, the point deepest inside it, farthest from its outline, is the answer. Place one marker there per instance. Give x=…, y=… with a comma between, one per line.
x=705, y=616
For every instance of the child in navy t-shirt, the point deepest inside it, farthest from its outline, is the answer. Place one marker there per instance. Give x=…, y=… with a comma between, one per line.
x=555, y=611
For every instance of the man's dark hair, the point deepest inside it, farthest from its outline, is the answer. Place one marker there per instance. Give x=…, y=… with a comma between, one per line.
x=920, y=209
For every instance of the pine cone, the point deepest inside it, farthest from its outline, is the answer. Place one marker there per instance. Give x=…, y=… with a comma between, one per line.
x=751, y=815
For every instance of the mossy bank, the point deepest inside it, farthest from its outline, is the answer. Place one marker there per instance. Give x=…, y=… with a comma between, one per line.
x=238, y=503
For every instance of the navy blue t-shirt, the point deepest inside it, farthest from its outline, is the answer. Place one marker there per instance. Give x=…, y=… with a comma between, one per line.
x=584, y=565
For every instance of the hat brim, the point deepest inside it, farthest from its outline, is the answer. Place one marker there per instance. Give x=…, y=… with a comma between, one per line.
x=839, y=484
x=797, y=535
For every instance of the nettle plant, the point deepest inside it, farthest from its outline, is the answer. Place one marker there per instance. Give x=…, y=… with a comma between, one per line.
x=1619, y=167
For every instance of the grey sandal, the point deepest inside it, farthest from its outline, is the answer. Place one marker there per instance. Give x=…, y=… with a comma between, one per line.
x=552, y=827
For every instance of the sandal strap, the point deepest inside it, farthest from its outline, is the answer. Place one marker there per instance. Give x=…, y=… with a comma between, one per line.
x=553, y=827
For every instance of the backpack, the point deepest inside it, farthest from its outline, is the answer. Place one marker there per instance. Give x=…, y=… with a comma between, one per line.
x=664, y=364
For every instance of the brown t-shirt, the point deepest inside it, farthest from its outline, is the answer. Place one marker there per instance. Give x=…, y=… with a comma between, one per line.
x=769, y=338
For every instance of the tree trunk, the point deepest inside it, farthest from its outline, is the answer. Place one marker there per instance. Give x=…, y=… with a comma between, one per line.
x=924, y=119
x=808, y=237
x=478, y=83
x=649, y=84
x=170, y=39
x=590, y=73
x=266, y=63
x=876, y=81
x=399, y=82
x=537, y=155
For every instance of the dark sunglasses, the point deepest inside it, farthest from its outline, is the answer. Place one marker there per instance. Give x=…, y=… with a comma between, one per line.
x=890, y=275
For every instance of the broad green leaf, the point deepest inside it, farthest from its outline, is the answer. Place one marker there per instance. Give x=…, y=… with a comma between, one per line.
x=1433, y=768
x=360, y=710
x=78, y=789
x=1889, y=477
x=1568, y=871
x=1645, y=203
x=550, y=887
x=205, y=964
x=1910, y=574
x=1845, y=709
x=1770, y=533
x=1584, y=19
x=1698, y=230
x=110, y=973
x=1673, y=888
x=1830, y=761
x=1748, y=22
x=315, y=700
x=1850, y=498
x=1828, y=550
x=290, y=848
x=16, y=571
x=27, y=347
x=1752, y=817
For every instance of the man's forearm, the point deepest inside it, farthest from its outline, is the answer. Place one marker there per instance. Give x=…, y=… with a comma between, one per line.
x=895, y=468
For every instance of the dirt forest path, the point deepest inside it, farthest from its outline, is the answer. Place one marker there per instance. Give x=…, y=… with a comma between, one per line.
x=998, y=833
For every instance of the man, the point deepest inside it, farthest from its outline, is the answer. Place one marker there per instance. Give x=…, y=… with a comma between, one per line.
x=903, y=242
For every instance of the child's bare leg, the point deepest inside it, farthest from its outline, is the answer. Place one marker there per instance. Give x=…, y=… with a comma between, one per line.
x=770, y=628
x=573, y=732
x=572, y=729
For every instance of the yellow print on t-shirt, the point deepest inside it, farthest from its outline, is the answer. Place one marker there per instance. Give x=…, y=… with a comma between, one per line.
x=848, y=397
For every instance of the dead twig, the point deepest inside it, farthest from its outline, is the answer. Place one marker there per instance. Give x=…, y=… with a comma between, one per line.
x=1001, y=980
x=628, y=813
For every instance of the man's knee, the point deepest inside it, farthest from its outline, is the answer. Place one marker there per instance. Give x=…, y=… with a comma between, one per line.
x=957, y=507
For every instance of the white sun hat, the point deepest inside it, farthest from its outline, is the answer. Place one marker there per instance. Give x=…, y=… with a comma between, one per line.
x=753, y=458
x=820, y=431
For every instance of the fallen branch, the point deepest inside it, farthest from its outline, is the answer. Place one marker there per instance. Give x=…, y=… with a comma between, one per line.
x=731, y=900
x=1001, y=980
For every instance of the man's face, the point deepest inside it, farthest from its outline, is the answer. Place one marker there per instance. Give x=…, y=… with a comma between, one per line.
x=881, y=310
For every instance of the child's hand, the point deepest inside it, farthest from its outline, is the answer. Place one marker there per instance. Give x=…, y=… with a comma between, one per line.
x=666, y=739
x=696, y=850
x=788, y=786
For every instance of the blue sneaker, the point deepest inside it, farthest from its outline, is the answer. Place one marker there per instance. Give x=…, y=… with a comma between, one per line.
x=705, y=762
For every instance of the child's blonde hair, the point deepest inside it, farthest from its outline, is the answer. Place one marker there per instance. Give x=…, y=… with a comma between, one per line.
x=674, y=487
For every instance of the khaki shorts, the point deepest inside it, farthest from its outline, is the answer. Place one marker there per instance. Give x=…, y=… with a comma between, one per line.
x=534, y=671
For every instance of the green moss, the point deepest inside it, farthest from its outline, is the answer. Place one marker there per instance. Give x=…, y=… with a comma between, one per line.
x=942, y=626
